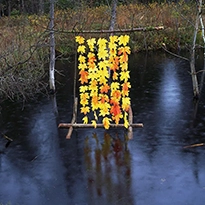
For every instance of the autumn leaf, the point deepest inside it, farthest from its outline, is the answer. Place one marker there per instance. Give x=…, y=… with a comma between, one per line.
x=94, y=102
x=81, y=49
x=113, y=39
x=117, y=118
x=94, y=123
x=106, y=122
x=102, y=54
x=124, y=66
x=104, y=109
x=124, y=75
x=126, y=122
x=79, y=39
x=125, y=88
x=81, y=59
x=102, y=42
x=115, y=86
x=83, y=76
x=103, y=64
x=85, y=110
x=103, y=98
x=85, y=120
x=83, y=88
x=103, y=73
x=91, y=44
x=123, y=40
x=116, y=94
x=125, y=103
x=115, y=109
x=102, y=80
x=82, y=66
x=124, y=50
x=104, y=88
x=93, y=85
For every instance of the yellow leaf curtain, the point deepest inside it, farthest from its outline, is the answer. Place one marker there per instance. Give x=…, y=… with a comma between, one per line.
x=104, y=79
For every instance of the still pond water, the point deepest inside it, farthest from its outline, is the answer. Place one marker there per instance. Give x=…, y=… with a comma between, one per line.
x=97, y=167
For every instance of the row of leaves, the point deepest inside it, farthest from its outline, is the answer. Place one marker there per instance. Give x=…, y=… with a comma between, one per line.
x=104, y=78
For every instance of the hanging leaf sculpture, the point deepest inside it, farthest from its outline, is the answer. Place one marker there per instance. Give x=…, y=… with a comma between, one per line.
x=104, y=79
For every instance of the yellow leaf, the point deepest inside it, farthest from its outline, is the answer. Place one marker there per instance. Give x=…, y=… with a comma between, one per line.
x=91, y=43
x=83, y=88
x=125, y=103
x=81, y=59
x=81, y=49
x=124, y=66
x=102, y=53
x=115, y=86
x=126, y=123
x=85, y=120
x=79, y=39
x=102, y=42
x=103, y=64
x=82, y=66
x=113, y=39
x=123, y=40
x=106, y=122
x=94, y=123
x=85, y=110
x=104, y=109
x=124, y=75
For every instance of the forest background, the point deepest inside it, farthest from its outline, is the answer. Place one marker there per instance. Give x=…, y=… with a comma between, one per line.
x=24, y=34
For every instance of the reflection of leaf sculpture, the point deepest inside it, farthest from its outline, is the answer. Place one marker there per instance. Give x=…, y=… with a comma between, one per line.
x=107, y=99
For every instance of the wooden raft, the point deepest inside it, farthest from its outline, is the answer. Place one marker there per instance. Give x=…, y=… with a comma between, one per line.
x=74, y=124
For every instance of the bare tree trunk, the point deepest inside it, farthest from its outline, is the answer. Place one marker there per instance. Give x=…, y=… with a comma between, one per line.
x=192, y=60
x=22, y=6
x=52, y=49
x=41, y=7
x=9, y=7
x=113, y=15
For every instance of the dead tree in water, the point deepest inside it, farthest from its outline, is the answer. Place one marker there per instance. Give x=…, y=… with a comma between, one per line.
x=192, y=60
x=52, y=49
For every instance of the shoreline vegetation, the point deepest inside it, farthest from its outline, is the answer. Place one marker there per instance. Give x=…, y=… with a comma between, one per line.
x=24, y=42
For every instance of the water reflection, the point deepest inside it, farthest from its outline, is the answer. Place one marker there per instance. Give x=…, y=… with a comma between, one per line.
x=170, y=99
x=108, y=168
x=31, y=170
x=41, y=167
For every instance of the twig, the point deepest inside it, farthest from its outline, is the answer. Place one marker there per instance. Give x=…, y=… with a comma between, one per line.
x=174, y=54
x=195, y=145
x=73, y=120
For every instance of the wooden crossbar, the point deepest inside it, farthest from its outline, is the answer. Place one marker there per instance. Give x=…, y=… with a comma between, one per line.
x=73, y=123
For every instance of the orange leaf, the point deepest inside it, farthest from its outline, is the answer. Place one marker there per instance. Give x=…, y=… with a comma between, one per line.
x=83, y=76
x=104, y=88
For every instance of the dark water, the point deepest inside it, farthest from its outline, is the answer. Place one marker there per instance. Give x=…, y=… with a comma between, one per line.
x=98, y=167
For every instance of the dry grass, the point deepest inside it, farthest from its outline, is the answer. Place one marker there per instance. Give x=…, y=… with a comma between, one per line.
x=24, y=39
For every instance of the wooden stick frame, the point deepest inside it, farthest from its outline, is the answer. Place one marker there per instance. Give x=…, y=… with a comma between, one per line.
x=74, y=123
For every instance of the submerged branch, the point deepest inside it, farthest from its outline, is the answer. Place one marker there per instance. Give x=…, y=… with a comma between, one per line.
x=174, y=54
x=194, y=145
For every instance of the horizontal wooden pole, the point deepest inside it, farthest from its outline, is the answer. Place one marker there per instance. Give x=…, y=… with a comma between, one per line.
x=80, y=125
x=143, y=29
